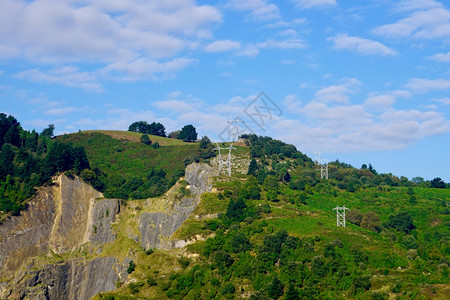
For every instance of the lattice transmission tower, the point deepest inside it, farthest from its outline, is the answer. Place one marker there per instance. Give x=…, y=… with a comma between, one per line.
x=235, y=130
x=340, y=215
x=227, y=161
x=322, y=165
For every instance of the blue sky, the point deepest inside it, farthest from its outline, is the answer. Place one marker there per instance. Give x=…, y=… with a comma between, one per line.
x=360, y=81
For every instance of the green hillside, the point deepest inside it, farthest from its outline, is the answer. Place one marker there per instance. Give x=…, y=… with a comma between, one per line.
x=123, y=167
x=275, y=237
x=267, y=232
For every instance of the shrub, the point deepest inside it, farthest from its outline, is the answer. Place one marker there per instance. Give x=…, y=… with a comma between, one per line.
x=354, y=216
x=401, y=222
x=228, y=288
x=145, y=139
x=371, y=221
x=184, y=262
x=131, y=267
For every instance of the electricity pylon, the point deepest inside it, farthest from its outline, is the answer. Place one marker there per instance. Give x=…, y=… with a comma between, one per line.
x=340, y=215
x=322, y=165
x=228, y=159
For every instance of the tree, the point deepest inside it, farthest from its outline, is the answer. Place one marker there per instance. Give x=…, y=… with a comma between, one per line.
x=291, y=293
x=252, y=167
x=145, y=139
x=49, y=131
x=371, y=221
x=437, y=183
x=354, y=216
x=275, y=289
x=188, y=133
x=140, y=126
x=371, y=169
x=6, y=161
x=174, y=134
x=156, y=129
x=155, y=145
x=418, y=180
x=205, y=142
x=401, y=222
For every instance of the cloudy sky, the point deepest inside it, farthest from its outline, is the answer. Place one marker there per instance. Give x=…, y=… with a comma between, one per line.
x=360, y=81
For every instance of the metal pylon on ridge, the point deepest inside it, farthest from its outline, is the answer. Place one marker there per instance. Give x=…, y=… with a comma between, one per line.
x=235, y=131
x=322, y=165
x=228, y=159
x=340, y=215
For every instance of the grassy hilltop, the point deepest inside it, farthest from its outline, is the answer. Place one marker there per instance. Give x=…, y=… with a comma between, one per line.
x=273, y=235
x=266, y=232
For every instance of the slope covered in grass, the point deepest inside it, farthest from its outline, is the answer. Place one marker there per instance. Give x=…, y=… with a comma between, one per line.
x=125, y=168
x=273, y=235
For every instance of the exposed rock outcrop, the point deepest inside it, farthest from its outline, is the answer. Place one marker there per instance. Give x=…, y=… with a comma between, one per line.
x=59, y=219
x=76, y=279
x=157, y=227
x=65, y=216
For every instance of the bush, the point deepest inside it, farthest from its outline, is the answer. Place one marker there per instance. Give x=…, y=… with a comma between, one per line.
x=151, y=281
x=145, y=139
x=354, y=216
x=228, y=288
x=131, y=267
x=184, y=262
x=401, y=222
x=371, y=221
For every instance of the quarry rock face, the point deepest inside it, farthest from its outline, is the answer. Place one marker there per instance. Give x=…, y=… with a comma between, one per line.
x=59, y=219
x=67, y=215
x=76, y=279
x=157, y=227
x=198, y=176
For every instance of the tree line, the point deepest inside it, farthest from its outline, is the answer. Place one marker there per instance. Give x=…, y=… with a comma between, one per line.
x=188, y=133
x=29, y=159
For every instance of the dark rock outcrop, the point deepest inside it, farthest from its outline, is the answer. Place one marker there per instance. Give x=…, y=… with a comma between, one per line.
x=76, y=279
x=157, y=227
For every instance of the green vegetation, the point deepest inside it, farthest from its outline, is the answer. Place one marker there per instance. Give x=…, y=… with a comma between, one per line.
x=275, y=237
x=28, y=160
x=268, y=232
x=153, y=128
x=123, y=166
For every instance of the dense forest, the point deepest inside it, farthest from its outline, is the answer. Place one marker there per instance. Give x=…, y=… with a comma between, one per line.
x=29, y=159
x=275, y=236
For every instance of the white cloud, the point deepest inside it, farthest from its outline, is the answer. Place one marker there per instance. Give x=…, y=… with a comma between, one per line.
x=411, y=5
x=422, y=85
x=63, y=111
x=223, y=45
x=288, y=61
x=315, y=3
x=292, y=23
x=143, y=68
x=441, y=57
x=380, y=101
x=338, y=93
x=430, y=21
x=249, y=51
x=360, y=45
x=260, y=10
x=68, y=76
x=105, y=32
x=283, y=44
x=444, y=101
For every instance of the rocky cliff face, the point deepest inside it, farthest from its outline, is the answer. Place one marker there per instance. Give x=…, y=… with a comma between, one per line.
x=59, y=219
x=62, y=218
x=76, y=279
x=157, y=227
